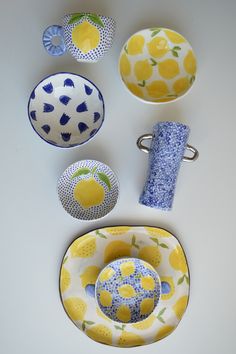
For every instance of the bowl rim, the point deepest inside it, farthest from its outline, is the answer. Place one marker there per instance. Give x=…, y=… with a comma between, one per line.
x=78, y=75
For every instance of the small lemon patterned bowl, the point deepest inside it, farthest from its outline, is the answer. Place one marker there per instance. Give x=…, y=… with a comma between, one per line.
x=88, y=190
x=157, y=65
x=128, y=290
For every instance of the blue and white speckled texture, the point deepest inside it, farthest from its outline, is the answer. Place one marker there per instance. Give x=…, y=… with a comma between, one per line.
x=165, y=156
x=117, y=280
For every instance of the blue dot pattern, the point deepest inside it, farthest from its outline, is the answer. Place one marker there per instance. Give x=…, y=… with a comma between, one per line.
x=106, y=38
x=70, y=106
x=165, y=156
x=134, y=280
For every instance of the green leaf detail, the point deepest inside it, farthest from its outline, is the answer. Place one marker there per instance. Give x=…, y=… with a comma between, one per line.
x=89, y=322
x=76, y=18
x=175, y=54
x=83, y=326
x=142, y=84
x=187, y=279
x=118, y=327
x=154, y=33
x=64, y=260
x=155, y=240
x=123, y=327
x=134, y=242
x=154, y=62
x=80, y=172
x=180, y=281
x=94, y=170
x=100, y=234
x=155, y=29
x=176, y=47
x=192, y=79
x=104, y=179
x=160, y=319
x=163, y=245
x=126, y=49
x=162, y=311
x=96, y=19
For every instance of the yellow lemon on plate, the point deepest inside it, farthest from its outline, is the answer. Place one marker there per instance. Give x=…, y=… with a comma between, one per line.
x=64, y=279
x=135, y=89
x=145, y=324
x=168, y=68
x=105, y=298
x=136, y=44
x=181, y=85
x=118, y=230
x=83, y=247
x=147, y=283
x=75, y=308
x=143, y=70
x=106, y=274
x=158, y=47
x=180, y=306
x=116, y=249
x=164, y=331
x=89, y=275
x=85, y=36
x=127, y=268
x=190, y=64
x=100, y=333
x=177, y=260
x=156, y=232
x=174, y=37
x=123, y=313
x=126, y=291
x=146, y=306
x=157, y=89
x=89, y=193
x=150, y=254
x=125, y=67
x=129, y=339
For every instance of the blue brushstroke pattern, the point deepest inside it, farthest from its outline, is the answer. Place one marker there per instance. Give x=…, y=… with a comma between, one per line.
x=48, y=107
x=82, y=127
x=48, y=88
x=33, y=115
x=165, y=287
x=96, y=116
x=90, y=290
x=32, y=95
x=64, y=99
x=64, y=119
x=69, y=82
x=100, y=96
x=66, y=136
x=93, y=132
x=88, y=90
x=82, y=107
x=46, y=128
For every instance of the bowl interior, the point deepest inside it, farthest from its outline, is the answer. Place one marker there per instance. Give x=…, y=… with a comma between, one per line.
x=66, y=109
x=157, y=65
x=128, y=290
x=88, y=190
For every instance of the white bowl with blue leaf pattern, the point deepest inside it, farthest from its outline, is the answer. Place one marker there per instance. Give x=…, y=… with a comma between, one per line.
x=66, y=109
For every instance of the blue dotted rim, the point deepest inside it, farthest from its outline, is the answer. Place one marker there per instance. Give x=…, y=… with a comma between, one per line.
x=68, y=73
x=54, y=31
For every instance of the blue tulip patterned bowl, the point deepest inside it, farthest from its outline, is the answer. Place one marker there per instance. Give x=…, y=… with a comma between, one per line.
x=66, y=109
x=128, y=290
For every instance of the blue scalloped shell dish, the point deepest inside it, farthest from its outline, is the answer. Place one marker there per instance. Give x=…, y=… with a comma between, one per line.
x=66, y=110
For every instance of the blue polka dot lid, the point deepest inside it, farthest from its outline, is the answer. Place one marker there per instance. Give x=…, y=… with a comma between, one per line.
x=128, y=290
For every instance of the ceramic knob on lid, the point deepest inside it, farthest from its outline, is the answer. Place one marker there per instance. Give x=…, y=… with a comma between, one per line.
x=128, y=290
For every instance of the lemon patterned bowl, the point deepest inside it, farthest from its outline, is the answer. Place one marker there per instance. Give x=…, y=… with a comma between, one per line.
x=88, y=190
x=85, y=264
x=128, y=290
x=66, y=110
x=157, y=65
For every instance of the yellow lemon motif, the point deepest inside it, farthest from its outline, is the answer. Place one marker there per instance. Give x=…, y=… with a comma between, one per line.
x=116, y=249
x=89, y=193
x=64, y=279
x=123, y=313
x=83, y=247
x=118, y=230
x=158, y=47
x=147, y=283
x=164, y=331
x=125, y=67
x=168, y=68
x=180, y=306
x=75, y=308
x=127, y=268
x=146, y=306
x=171, y=285
x=100, y=333
x=174, y=37
x=135, y=89
x=181, y=85
x=177, y=260
x=143, y=70
x=126, y=291
x=157, y=89
x=136, y=44
x=85, y=36
x=89, y=276
x=145, y=324
x=151, y=254
x=129, y=339
x=101, y=314
x=190, y=64
x=105, y=298
x=155, y=232
x=106, y=274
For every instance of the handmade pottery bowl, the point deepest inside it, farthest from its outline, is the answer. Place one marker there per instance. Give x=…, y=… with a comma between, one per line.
x=157, y=65
x=66, y=109
x=128, y=290
x=88, y=190
x=87, y=37
x=98, y=290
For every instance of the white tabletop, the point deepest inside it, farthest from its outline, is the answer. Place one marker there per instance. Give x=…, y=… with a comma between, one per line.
x=35, y=230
